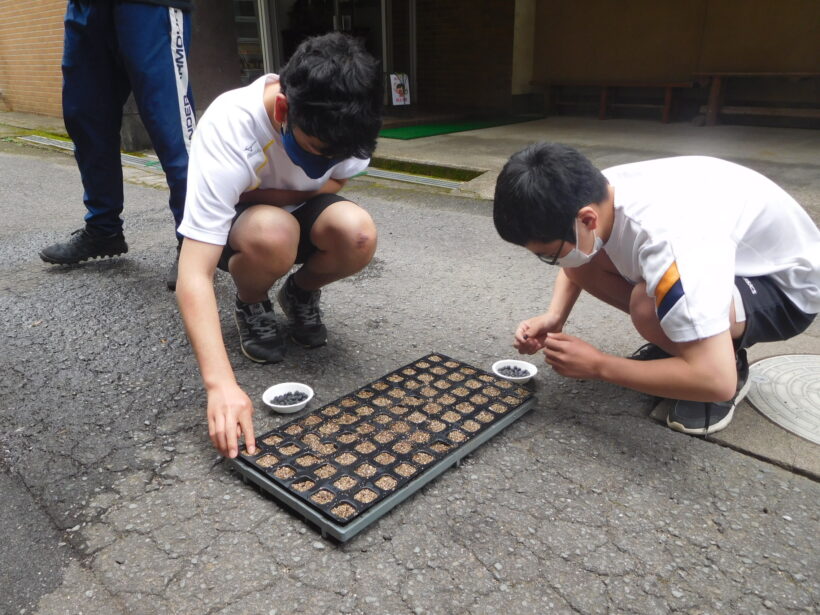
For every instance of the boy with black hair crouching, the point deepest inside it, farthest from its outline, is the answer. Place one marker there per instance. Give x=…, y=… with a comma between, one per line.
x=267, y=162
x=706, y=256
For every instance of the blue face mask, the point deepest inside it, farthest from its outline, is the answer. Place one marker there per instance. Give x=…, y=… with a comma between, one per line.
x=313, y=165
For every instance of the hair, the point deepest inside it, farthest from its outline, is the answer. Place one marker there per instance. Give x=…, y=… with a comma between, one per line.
x=334, y=92
x=540, y=191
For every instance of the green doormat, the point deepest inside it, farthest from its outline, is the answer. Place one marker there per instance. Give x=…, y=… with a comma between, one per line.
x=429, y=130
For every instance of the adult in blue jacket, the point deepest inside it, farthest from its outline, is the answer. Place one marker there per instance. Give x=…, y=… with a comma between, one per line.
x=111, y=50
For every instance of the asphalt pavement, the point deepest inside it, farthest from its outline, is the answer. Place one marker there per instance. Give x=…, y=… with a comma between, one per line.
x=116, y=502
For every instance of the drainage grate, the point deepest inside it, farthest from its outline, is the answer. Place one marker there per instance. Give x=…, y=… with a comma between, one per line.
x=147, y=163
x=413, y=179
x=346, y=464
x=152, y=164
x=786, y=389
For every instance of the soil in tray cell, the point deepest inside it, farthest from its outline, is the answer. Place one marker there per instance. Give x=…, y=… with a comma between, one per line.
x=272, y=440
x=461, y=391
x=284, y=473
x=491, y=391
x=366, y=470
x=412, y=385
x=423, y=458
x=348, y=402
x=484, y=416
x=384, y=458
x=347, y=438
x=405, y=469
x=440, y=447
x=380, y=386
x=499, y=408
x=307, y=460
x=471, y=425
x=446, y=399
x=311, y=420
x=383, y=437
x=365, y=428
x=457, y=436
x=473, y=384
x=479, y=399
x=293, y=430
x=329, y=428
x=426, y=377
x=302, y=485
x=400, y=427
x=323, y=497
x=364, y=411
x=451, y=417
x=325, y=471
x=346, y=458
x=365, y=394
x=436, y=426
x=381, y=402
x=456, y=377
x=344, y=511
x=397, y=393
x=331, y=411
x=413, y=401
x=428, y=391
x=399, y=410
x=465, y=407
x=345, y=482
x=386, y=483
x=365, y=496
x=403, y=447
x=289, y=449
x=420, y=437
x=441, y=384
x=432, y=407
x=382, y=419
x=365, y=448
x=266, y=461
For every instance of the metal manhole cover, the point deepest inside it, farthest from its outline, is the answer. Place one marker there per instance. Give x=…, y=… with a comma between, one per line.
x=786, y=389
x=346, y=464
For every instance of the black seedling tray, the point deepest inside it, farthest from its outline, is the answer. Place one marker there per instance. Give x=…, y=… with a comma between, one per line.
x=367, y=451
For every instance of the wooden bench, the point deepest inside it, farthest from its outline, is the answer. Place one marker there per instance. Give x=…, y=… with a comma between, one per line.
x=607, y=98
x=714, y=106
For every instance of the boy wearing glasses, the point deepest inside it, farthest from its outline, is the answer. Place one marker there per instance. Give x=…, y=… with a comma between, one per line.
x=706, y=256
x=267, y=162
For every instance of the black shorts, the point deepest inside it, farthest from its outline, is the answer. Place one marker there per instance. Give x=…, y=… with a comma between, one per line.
x=306, y=216
x=770, y=314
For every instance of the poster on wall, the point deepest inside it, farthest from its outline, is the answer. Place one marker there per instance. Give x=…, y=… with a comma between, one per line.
x=400, y=88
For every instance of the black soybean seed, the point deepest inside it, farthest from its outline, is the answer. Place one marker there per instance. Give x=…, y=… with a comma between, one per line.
x=513, y=371
x=288, y=399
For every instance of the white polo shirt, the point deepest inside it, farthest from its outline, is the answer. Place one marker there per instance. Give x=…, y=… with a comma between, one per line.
x=235, y=149
x=688, y=225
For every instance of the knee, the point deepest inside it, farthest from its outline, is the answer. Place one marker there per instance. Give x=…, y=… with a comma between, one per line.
x=354, y=236
x=270, y=242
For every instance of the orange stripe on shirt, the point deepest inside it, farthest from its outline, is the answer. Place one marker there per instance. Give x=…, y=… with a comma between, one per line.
x=669, y=279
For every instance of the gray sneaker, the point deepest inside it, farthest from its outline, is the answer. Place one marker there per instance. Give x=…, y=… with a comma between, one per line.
x=259, y=335
x=702, y=418
x=304, y=316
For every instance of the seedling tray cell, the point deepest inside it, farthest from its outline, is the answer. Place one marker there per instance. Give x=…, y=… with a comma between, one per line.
x=347, y=463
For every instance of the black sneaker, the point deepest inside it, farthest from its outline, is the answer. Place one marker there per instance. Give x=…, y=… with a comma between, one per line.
x=304, y=317
x=649, y=352
x=259, y=335
x=173, y=272
x=701, y=418
x=82, y=246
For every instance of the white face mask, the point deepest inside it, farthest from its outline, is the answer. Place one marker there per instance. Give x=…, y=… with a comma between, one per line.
x=576, y=258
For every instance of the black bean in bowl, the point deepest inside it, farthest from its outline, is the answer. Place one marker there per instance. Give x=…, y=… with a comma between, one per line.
x=290, y=398
x=513, y=372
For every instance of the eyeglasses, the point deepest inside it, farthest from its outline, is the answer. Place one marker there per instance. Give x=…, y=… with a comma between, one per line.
x=551, y=260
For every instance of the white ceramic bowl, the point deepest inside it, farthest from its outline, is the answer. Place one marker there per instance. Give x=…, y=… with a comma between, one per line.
x=287, y=387
x=515, y=363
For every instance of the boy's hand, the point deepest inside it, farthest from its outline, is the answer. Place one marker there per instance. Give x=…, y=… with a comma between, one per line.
x=572, y=357
x=531, y=334
x=230, y=413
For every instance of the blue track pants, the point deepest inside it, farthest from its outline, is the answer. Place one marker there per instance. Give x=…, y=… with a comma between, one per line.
x=111, y=49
